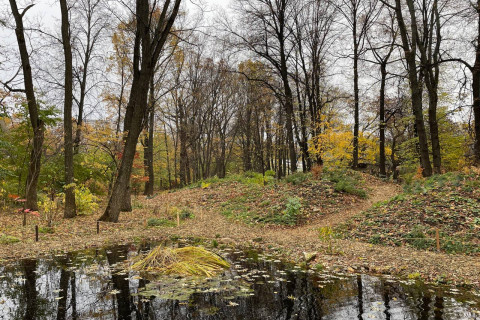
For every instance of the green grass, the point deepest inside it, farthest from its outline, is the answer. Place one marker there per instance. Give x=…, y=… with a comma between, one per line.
x=447, y=203
x=283, y=211
x=297, y=178
x=46, y=230
x=347, y=181
x=4, y=239
x=156, y=222
x=247, y=178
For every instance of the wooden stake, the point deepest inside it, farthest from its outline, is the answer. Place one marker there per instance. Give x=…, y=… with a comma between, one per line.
x=24, y=223
x=178, y=219
x=36, y=233
x=437, y=236
x=98, y=227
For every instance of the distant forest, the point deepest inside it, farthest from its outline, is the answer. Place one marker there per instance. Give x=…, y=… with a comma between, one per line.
x=119, y=97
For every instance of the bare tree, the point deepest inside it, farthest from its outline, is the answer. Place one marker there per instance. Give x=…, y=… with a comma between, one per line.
x=359, y=16
x=38, y=125
x=428, y=42
x=382, y=53
x=150, y=37
x=409, y=46
x=70, y=208
x=314, y=38
x=90, y=24
x=475, y=71
x=270, y=28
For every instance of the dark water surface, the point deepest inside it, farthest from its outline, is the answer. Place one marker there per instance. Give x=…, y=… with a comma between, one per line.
x=94, y=285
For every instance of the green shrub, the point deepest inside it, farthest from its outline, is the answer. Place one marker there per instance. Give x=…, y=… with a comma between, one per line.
x=456, y=246
x=293, y=210
x=85, y=201
x=4, y=239
x=349, y=187
x=345, y=180
x=417, y=238
x=186, y=214
x=156, y=222
x=46, y=230
x=375, y=239
x=270, y=173
x=326, y=234
x=297, y=178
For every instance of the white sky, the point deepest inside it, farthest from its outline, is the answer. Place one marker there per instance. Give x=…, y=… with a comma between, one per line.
x=45, y=15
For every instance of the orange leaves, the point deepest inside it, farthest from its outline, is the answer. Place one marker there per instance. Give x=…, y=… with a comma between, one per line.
x=139, y=179
x=13, y=196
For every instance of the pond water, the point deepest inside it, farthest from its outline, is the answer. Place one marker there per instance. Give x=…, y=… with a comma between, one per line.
x=94, y=284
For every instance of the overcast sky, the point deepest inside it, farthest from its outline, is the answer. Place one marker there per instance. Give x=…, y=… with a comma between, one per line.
x=47, y=12
x=46, y=15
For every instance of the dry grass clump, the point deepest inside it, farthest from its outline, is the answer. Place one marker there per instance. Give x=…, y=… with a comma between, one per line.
x=187, y=261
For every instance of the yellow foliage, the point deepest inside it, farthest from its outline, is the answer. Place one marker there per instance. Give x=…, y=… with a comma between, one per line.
x=335, y=144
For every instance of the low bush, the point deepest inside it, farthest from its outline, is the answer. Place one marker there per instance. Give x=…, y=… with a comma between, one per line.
x=186, y=213
x=297, y=178
x=156, y=222
x=85, y=201
x=4, y=239
x=345, y=180
x=293, y=210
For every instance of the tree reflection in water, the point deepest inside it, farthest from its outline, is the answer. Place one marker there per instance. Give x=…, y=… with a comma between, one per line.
x=94, y=285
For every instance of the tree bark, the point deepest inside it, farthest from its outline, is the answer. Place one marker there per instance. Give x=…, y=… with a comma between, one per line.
x=356, y=112
x=148, y=148
x=121, y=188
x=416, y=93
x=70, y=207
x=383, y=68
x=37, y=124
x=147, y=50
x=476, y=92
x=430, y=63
x=289, y=118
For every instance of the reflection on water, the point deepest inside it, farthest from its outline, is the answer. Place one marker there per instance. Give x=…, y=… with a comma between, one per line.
x=94, y=285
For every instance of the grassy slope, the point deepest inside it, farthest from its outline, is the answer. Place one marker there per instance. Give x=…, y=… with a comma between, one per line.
x=293, y=201
x=449, y=202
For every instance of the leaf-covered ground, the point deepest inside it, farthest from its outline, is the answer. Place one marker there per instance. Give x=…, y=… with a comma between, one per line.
x=449, y=203
x=201, y=208
x=298, y=200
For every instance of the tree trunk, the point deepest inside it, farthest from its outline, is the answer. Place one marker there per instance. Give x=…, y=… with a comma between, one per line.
x=433, y=124
x=416, y=93
x=356, y=112
x=37, y=124
x=168, y=157
x=70, y=207
x=430, y=66
x=148, y=148
x=289, y=123
x=383, y=171
x=184, y=166
x=121, y=188
x=476, y=91
x=149, y=185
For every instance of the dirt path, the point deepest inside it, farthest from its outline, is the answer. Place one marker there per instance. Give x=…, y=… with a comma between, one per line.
x=209, y=223
x=347, y=255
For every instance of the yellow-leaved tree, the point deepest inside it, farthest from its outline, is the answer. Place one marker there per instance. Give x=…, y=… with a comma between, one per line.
x=334, y=144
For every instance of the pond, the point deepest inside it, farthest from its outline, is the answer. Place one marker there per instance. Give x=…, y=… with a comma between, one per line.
x=95, y=284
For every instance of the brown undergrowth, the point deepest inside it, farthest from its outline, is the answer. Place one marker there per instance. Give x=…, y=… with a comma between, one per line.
x=208, y=222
